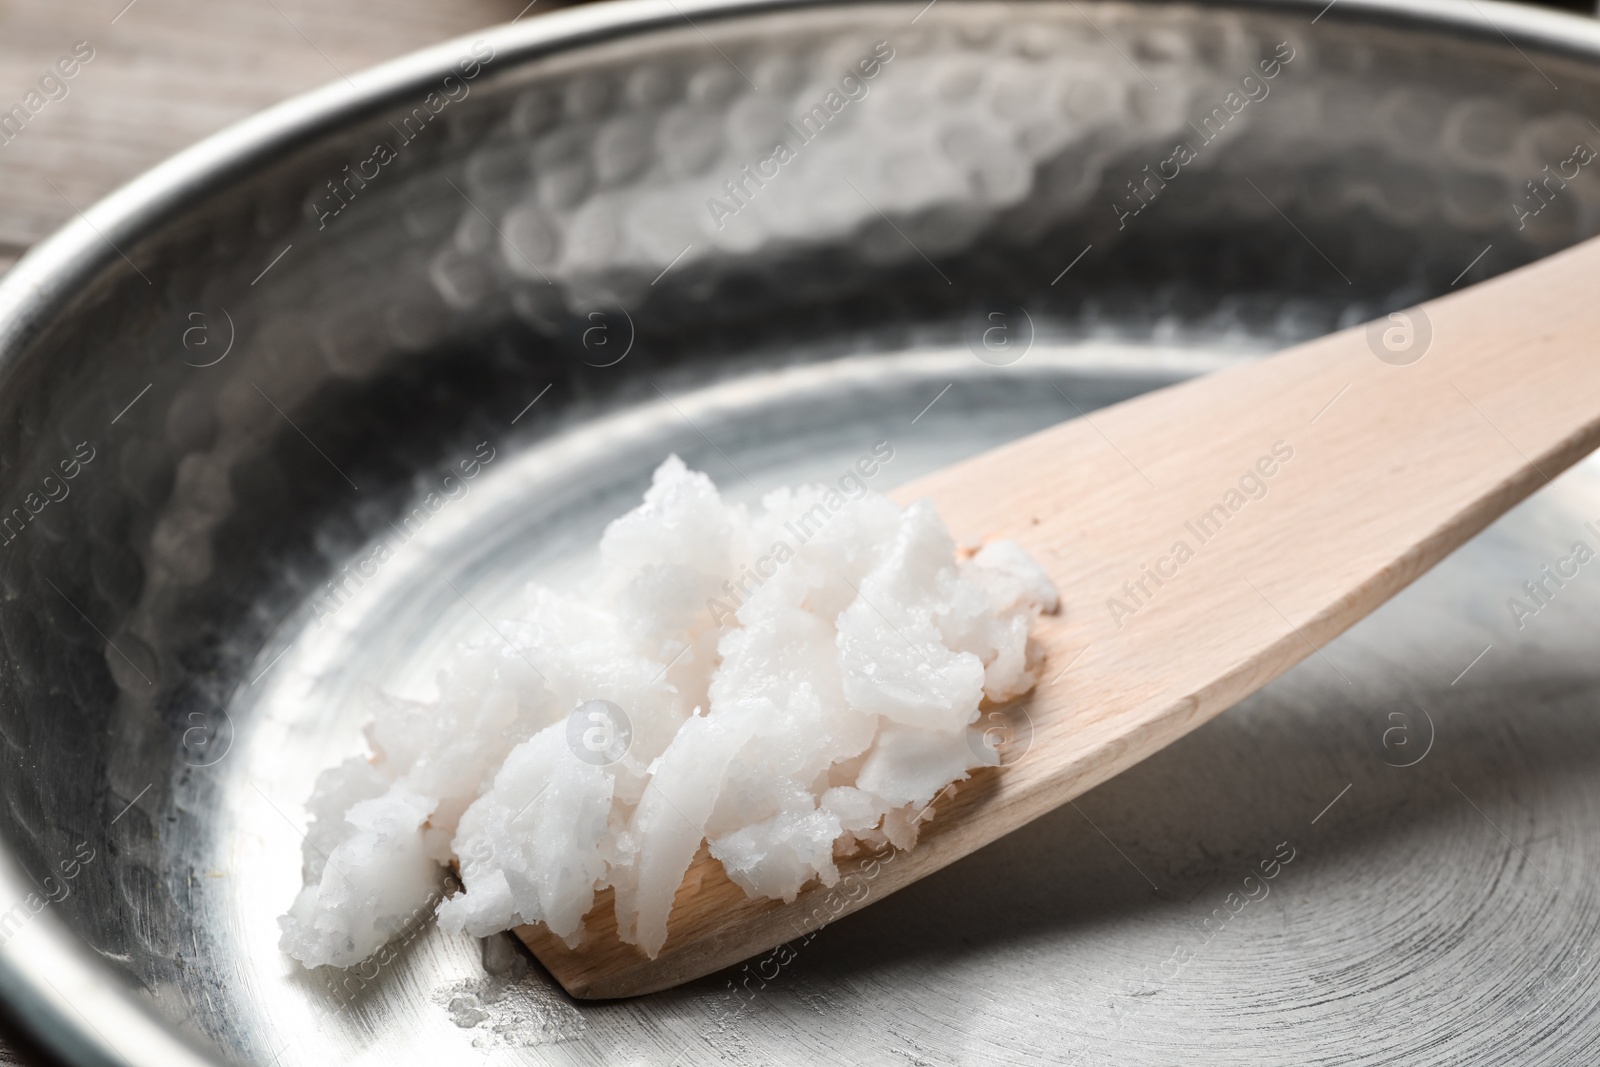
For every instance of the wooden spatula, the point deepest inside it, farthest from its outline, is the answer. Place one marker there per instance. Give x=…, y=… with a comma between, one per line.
x=1205, y=538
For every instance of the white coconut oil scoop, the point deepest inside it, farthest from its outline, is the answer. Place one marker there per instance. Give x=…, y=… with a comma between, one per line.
x=1204, y=538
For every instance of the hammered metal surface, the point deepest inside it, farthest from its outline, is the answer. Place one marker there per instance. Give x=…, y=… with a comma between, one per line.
x=271, y=382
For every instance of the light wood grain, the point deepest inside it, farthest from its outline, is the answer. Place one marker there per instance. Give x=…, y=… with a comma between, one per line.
x=1380, y=471
x=167, y=73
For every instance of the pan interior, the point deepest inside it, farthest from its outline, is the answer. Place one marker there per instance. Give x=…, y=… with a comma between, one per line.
x=563, y=260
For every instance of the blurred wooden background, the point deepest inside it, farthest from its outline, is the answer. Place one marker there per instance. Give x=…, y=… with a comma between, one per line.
x=166, y=73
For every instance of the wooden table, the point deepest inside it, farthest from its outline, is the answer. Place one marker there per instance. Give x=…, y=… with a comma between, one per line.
x=166, y=73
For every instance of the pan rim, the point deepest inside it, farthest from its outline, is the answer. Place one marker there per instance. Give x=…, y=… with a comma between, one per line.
x=74, y=1004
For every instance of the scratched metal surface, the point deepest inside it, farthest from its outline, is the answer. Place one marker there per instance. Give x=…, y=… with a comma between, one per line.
x=271, y=377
